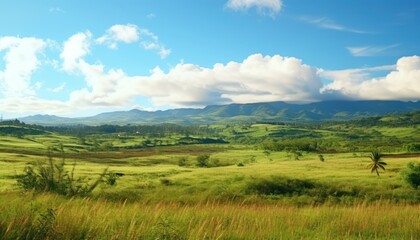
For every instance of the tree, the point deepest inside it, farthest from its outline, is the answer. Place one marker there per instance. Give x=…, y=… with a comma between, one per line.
x=411, y=174
x=376, y=164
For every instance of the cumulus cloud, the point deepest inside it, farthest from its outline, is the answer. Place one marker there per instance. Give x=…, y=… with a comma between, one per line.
x=21, y=60
x=257, y=79
x=119, y=33
x=103, y=88
x=402, y=83
x=75, y=48
x=266, y=7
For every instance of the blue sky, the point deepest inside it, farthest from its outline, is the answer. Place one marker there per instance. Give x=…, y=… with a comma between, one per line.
x=79, y=58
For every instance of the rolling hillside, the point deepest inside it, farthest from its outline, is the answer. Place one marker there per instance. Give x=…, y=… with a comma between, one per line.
x=272, y=111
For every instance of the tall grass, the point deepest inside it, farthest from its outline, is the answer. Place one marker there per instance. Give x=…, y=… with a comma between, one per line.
x=86, y=218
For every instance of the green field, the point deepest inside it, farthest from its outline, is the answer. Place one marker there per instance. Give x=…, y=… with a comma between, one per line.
x=262, y=181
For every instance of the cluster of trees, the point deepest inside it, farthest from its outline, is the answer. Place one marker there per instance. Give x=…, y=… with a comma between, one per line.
x=412, y=147
x=159, y=130
x=305, y=144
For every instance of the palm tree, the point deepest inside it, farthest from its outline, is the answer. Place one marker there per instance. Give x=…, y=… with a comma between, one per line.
x=376, y=164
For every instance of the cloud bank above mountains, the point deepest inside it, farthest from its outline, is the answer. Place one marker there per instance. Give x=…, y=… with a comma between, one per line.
x=256, y=78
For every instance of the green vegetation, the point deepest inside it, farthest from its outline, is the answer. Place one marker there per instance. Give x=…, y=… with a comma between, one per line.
x=411, y=174
x=234, y=181
x=86, y=218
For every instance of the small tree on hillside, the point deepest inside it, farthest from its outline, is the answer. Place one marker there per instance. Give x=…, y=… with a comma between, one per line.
x=376, y=164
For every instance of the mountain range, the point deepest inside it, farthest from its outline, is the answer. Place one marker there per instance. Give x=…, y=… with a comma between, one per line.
x=251, y=112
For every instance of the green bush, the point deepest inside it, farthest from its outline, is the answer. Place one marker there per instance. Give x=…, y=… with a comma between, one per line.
x=203, y=160
x=112, y=177
x=289, y=187
x=278, y=186
x=411, y=174
x=51, y=176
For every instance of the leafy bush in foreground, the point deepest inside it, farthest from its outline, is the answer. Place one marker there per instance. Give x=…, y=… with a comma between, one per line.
x=51, y=176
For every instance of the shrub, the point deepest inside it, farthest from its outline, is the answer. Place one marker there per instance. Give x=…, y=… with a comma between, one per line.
x=411, y=174
x=288, y=187
x=278, y=186
x=111, y=178
x=182, y=162
x=203, y=160
x=51, y=176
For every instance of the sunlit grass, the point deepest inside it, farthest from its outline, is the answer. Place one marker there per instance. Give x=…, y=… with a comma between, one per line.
x=157, y=196
x=99, y=219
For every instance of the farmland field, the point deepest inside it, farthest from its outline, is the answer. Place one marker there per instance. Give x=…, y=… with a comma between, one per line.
x=262, y=181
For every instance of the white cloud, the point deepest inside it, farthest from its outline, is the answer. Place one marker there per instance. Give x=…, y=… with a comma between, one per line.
x=21, y=60
x=402, y=83
x=367, y=51
x=266, y=7
x=34, y=105
x=130, y=34
x=103, y=88
x=119, y=33
x=256, y=79
x=75, y=48
x=150, y=41
x=324, y=22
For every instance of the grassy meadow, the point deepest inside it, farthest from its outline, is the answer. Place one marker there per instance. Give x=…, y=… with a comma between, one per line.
x=248, y=188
